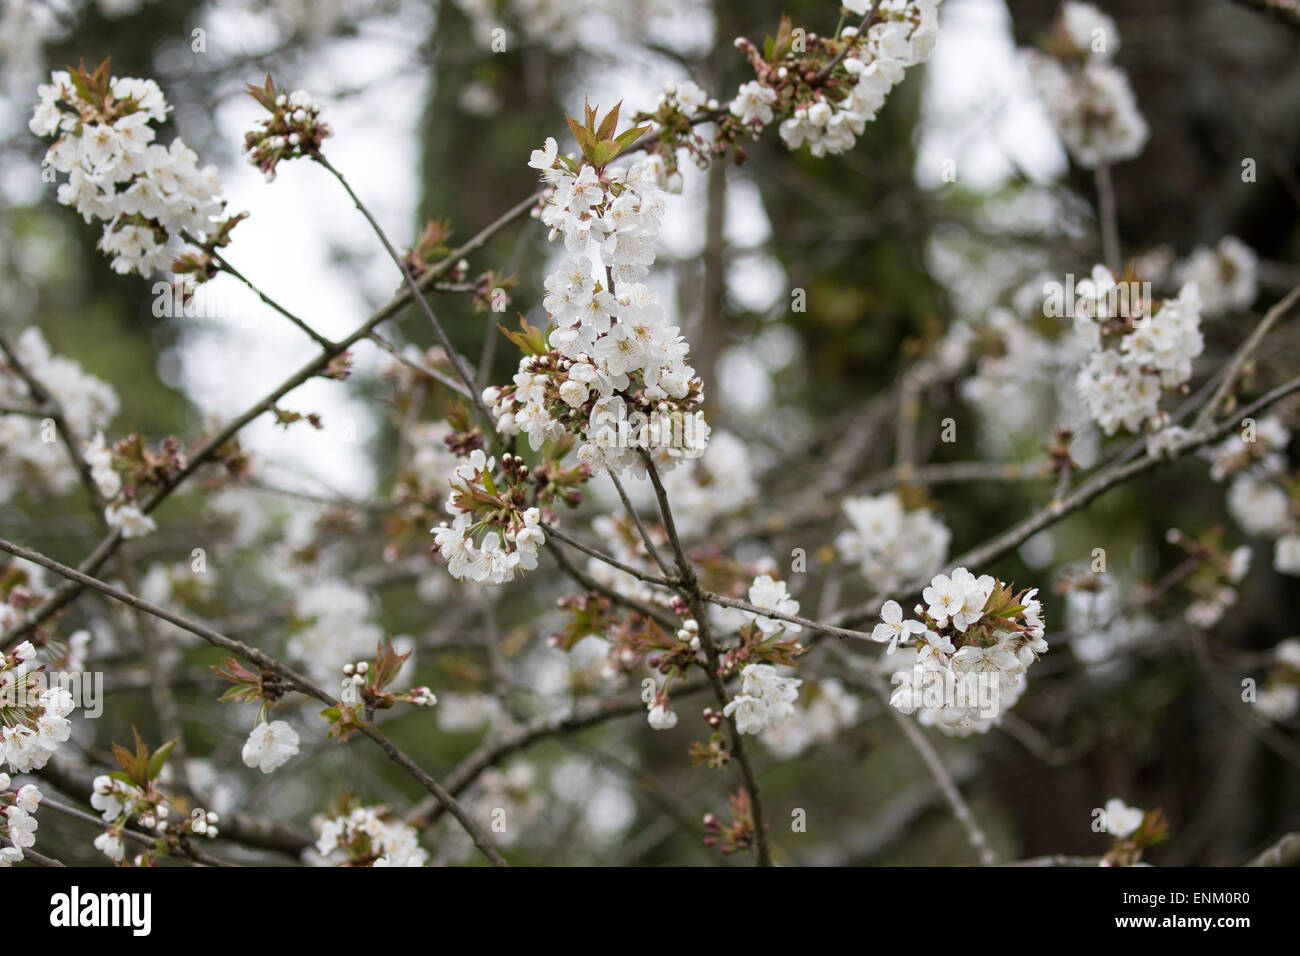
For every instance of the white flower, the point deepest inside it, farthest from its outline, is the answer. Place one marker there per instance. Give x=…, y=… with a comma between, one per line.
x=1278, y=702
x=894, y=628
x=1227, y=276
x=368, y=831
x=270, y=745
x=28, y=797
x=1259, y=506
x=22, y=826
x=830, y=710
x=100, y=460
x=110, y=844
x=132, y=522
x=1286, y=554
x=1122, y=820
x=944, y=598
x=1288, y=653
x=753, y=104
x=1123, y=385
x=890, y=544
x=112, y=797
x=1092, y=32
x=544, y=159
x=770, y=595
x=116, y=172
x=765, y=700
x=1093, y=109
x=661, y=717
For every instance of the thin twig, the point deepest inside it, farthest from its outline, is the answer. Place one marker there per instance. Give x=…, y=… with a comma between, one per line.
x=262, y=660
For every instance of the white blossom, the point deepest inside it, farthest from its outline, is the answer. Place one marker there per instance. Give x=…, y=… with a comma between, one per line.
x=1122, y=820
x=270, y=746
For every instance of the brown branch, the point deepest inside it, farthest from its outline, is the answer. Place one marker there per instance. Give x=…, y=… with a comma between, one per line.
x=264, y=661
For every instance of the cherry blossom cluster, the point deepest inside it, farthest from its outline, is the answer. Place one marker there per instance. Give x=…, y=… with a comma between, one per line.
x=1212, y=585
x=368, y=836
x=149, y=196
x=333, y=623
x=1137, y=350
x=766, y=699
x=293, y=130
x=676, y=121
x=491, y=536
x=613, y=371
x=1087, y=96
x=965, y=655
x=123, y=512
x=1263, y=493
x=825, y=709
x=1226, y=276
x=771, y=595
x=1099, y=625
x=17, y=820
x=132, y=794
x=35, y=460
x=34, y=717
x=826, y=89
x=892, y=544
x=117, y=801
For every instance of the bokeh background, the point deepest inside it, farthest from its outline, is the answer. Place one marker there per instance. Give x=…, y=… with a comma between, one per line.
x=429, y=121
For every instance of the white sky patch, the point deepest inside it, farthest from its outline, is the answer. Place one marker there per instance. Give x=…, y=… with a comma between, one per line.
x=979, y=109
x=286, y=248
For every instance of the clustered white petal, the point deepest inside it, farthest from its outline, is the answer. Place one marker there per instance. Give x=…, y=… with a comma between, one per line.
x=826, y=711
x=766, y=699
x=891, y=545
x=903, y=35
x=1135, y=355
x=35, y=717
x=1261, y=494
x=146, y=194
x=1226, y=276
x=17, y=820
x=771, y=595
x=497, y=554
x=371, y=836
x=617, y=374
x=1087, y=96
x=967, y=653
x=35, y=460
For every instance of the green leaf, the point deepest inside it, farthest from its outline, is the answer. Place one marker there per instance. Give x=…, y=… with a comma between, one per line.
x=159, y=758
x=581, y=134
x=602, y=153
x=630, y=136
x=133, y=769
x=609, y=123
